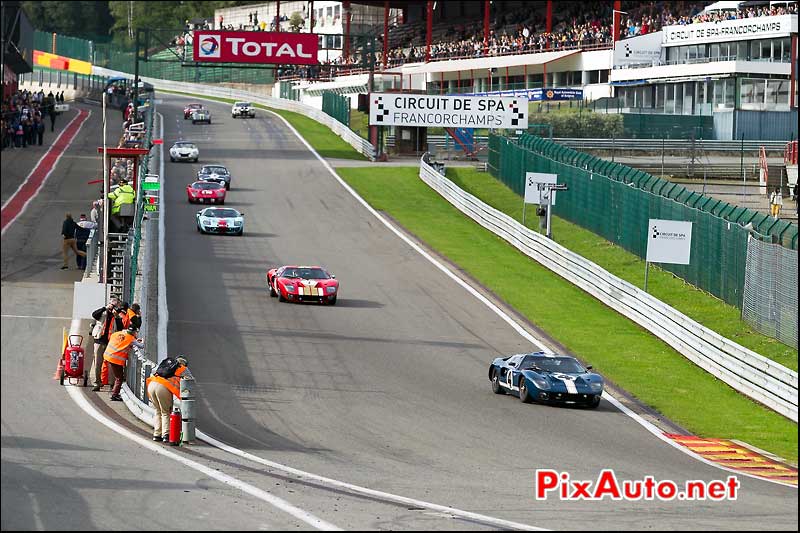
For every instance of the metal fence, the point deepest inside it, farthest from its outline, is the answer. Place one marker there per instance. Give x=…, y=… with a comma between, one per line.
x=337, y=106
x=770, y=291
x=165, y=64
x=746, y=371
x=616, y=202
x=137, y=223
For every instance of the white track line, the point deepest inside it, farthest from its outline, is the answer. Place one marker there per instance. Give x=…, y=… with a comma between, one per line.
x=516, y=326
x=265, y=496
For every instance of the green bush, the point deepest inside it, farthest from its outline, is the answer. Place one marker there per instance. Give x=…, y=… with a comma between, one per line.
x=584, y=124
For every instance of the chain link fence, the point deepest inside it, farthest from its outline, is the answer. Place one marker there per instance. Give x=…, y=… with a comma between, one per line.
x=770, y=291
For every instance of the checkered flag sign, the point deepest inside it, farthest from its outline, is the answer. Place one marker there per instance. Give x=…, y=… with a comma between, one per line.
x=517, y=115
x=381, y=113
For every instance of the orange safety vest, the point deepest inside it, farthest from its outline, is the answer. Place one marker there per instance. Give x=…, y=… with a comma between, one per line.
x=118, y=346
x=173, y=383
x=126, y=320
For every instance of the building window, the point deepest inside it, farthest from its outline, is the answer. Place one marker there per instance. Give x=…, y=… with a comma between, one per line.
x=742, y=51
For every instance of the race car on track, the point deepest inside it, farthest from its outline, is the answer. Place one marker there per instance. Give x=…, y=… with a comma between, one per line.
x=187, y=111
x=216, y=173
x=243, y=109
x=303, y=284
x=205, y=192
x=201, y=115
x=546, y=378
x=220, y=220
x=184, y=151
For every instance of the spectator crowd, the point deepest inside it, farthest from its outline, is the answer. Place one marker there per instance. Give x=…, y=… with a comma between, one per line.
x=23, y=118
x=522, y=30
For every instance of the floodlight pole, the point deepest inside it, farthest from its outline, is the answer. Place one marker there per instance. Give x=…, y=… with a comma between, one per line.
x=136, y=76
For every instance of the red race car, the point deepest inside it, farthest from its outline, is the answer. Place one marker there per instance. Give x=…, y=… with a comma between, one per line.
x=205, y=192
x=303, y=284
x=187, y=111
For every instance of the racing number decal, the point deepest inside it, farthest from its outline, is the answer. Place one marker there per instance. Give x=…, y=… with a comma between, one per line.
x=510, y=379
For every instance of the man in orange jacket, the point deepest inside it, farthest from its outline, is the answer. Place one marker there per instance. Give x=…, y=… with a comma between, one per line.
x=162, y=392
x=119, y=347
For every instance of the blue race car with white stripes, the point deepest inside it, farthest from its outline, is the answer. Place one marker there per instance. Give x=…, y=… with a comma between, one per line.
x=546, y=378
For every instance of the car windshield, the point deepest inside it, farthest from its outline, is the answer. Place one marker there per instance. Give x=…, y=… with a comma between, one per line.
x=305, y=273
x=206, y=185
x=567, y=365
x=214, y=170
x=185, y=146
x=221, y=213
x=243, y=104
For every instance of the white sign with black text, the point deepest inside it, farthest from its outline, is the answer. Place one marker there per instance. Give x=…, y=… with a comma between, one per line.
x=534, y=194
x=731, y=30
x=421, y=110
x=644, y=49
x=669, y=241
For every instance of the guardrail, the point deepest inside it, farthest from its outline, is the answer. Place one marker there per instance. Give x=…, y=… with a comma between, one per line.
x=638, y=145
x=752, y=374
x=353, y=139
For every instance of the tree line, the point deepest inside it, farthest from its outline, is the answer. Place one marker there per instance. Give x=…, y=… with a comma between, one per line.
x=117, y=20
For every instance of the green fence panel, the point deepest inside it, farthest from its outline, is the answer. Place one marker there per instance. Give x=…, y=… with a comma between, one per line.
x=617, y=202
x=336, y=106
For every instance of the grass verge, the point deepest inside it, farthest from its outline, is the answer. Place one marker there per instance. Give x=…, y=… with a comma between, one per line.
x=624, y=352
x=621, y=350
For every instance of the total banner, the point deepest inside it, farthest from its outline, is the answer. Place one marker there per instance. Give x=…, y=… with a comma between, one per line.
x=282, y=48
x=420, y=110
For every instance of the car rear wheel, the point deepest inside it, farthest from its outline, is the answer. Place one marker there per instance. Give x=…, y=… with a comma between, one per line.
x=524, y=396
x=496, y=388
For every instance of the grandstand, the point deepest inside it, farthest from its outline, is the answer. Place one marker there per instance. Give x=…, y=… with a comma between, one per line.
x=729, y=65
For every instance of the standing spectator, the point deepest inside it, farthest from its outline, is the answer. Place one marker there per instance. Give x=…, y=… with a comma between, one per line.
x=124, y=194
x=38, y=126
x=107, y=321
x=161, y=390
x=776, y=202
x=94, y=214
x=82, y=236
x=51, y=110
x=68, y=228
x=135, y=314
x=119, y=347
x=796, y=199
x=19, y=136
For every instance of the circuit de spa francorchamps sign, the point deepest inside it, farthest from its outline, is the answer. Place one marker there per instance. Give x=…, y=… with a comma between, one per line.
x=283, y=48
x=393, y=109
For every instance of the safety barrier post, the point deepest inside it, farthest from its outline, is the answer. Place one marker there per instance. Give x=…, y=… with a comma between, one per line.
x=187, y=406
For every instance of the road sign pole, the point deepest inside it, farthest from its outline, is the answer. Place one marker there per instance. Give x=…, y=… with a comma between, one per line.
x=549, y=211
x=646, y=272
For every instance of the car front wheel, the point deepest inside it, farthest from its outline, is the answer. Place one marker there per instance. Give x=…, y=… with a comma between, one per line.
x=280, y=296
x=272, y=292
x=595, y=402
x=524, y=395
x=496, y=388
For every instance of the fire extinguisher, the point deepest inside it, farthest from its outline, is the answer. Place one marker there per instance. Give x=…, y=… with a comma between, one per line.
x=175, y=426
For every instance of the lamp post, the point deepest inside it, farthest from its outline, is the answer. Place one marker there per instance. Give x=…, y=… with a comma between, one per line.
x=614, y=29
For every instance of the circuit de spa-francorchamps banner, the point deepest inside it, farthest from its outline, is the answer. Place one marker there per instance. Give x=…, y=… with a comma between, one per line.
x=393, y=109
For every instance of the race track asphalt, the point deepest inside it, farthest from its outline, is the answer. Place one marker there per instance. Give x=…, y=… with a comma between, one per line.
x=388, y=389
x=61, y=469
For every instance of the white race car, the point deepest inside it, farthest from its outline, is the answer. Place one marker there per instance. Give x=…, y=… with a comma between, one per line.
x=184, y=151
x=220, y=220
x=243, y=109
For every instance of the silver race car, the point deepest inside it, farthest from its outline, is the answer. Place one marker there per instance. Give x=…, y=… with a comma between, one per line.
x=222, y=220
